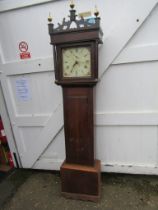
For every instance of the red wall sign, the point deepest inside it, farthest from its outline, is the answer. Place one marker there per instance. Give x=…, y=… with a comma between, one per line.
x=23, y=47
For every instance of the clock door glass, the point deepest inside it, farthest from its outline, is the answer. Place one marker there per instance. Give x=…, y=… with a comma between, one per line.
x=76, y=62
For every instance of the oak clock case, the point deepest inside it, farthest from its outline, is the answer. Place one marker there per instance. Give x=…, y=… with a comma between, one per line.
x=76, y=70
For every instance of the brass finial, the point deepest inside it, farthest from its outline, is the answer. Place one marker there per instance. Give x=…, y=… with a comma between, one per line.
x=96, y=11
x=72, y=5
x=50, y=18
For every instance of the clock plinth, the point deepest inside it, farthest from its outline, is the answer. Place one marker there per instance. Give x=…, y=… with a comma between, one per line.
x=76, y=70
x=81, y=182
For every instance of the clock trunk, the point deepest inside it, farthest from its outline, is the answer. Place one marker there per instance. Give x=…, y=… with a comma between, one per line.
x=78, y=124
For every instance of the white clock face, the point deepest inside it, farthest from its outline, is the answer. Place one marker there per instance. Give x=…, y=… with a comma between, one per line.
x=76, y=62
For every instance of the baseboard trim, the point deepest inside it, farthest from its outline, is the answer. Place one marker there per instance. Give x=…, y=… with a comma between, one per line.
x=49, y=164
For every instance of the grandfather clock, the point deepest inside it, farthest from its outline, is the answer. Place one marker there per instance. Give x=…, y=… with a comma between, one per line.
x=76, y=69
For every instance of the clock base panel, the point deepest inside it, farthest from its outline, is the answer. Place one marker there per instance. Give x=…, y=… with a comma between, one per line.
x=81, y=182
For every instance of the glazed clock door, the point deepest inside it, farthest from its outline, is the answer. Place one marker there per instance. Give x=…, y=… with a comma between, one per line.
x=76, y=62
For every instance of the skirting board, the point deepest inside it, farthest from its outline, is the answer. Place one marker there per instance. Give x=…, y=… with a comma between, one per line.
x=49, y=164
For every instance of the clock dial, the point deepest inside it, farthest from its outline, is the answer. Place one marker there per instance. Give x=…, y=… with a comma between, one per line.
x=76, y=62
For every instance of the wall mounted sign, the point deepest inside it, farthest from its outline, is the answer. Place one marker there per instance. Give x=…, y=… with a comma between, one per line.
x=23, y=47
x=23, y=89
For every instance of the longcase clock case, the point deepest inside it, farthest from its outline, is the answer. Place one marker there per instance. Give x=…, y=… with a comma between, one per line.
x=80, y=172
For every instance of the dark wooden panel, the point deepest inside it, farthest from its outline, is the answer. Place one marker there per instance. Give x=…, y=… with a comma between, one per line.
x=78, y=124
x=81, y=182
x=76, y=37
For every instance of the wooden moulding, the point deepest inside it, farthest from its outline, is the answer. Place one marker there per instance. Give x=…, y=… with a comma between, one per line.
x=81, y=182
x=76, y=37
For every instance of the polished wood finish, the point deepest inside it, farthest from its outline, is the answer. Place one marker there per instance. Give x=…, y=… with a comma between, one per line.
x=78, y=124
x=81, y=182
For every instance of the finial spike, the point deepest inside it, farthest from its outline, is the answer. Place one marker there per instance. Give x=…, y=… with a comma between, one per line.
x=72, y=4
x=96, y=11
x=50, y=18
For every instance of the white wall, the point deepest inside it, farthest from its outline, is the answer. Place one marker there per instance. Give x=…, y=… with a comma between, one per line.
x=127, y=102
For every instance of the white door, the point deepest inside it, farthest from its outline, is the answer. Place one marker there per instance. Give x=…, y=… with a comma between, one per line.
x=126, y=125
x=34, y=105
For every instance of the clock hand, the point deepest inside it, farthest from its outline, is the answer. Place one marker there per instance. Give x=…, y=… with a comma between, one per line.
x=76, y=62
